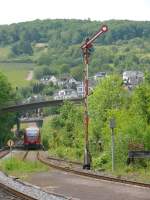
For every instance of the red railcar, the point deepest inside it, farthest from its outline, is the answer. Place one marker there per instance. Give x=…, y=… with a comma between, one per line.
x=32, y=138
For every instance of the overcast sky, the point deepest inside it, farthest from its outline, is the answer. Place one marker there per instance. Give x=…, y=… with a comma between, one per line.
x=12, y=11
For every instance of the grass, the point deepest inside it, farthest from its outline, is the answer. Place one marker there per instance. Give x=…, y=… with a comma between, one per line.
x=139, y=171
x=21, y=168
x=16, y=73
x=4, y=52
x=134, y=173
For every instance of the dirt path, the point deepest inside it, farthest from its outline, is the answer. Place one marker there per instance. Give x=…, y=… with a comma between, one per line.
x=30, y=75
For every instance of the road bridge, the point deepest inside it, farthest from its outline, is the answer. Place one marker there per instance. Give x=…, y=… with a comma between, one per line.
x=37, y=120
x=35, y=105
x=30, y=119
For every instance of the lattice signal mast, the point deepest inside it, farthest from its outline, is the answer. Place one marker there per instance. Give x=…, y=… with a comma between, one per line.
x=86, y=48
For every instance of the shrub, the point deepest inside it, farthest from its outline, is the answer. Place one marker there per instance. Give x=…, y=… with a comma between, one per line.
x=99, y=162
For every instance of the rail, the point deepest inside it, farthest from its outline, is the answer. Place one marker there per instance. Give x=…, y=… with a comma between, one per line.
x=90, y=174
x=16, y=193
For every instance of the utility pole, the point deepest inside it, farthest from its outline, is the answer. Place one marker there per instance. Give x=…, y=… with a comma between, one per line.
x=86, y=47
x=112, y=126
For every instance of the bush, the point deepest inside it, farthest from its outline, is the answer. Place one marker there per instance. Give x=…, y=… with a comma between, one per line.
x=99, y=162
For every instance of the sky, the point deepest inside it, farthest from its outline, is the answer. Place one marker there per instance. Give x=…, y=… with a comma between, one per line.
x=13, y=11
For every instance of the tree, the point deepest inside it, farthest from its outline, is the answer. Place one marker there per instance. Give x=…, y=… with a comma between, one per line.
x=66, y=134
x=43, y=71
x=22, y=47
x=141, y=101
x=25, y=47
x=44, y=59
x=6, y=120
x=108, y=95
x=76, y=72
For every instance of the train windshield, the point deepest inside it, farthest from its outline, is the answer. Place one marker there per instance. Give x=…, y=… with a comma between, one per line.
x=32, y=132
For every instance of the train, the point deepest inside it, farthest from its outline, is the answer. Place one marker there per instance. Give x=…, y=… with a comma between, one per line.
x=32, y=138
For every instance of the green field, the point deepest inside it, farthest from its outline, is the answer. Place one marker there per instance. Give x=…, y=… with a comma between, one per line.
x=17, y=72
x=5, y=53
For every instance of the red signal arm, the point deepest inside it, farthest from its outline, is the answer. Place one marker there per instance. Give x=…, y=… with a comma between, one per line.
x=88, y=42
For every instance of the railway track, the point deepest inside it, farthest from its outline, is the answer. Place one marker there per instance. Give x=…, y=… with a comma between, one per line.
x=4, y=152
x=65, y=163
x=15, y=189
x=10, y=193
x=25, y=155
x=61, y=165
x=30, y=155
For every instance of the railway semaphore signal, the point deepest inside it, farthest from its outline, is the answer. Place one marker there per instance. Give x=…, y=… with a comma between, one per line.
x=86, y=53
x=102, y=30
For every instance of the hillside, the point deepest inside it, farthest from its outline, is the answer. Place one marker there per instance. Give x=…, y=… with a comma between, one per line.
x=17, y=73
x=56, y=43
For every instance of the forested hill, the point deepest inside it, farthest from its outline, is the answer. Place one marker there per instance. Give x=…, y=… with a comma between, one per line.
x=71, y=32
x=126, y=45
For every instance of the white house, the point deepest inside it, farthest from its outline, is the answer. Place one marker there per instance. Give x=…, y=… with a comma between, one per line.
x=66, y=94
x=80, y=89
x=99, y=75
x=72, y=81
x=53, y=79
x=67, y=82
x=133, y=77
x=47, y=79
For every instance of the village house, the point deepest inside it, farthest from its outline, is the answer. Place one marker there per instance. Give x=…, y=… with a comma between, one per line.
x=80, y=88
x=132, y=78
x=67, y=82
x=54, y=80
x=99, y=75
x=49, y=79
x=65, y=94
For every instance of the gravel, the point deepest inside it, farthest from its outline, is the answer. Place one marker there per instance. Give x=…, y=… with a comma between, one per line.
x=26, y=188
x=5, y=195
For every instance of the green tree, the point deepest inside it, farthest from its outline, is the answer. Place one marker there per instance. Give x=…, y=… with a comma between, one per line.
x=141, y=101
x=66, y=134
x=109, y=94
x=22, y=47
x=6, y=120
